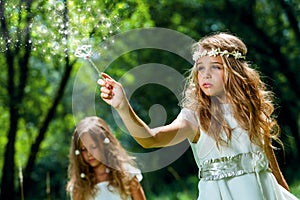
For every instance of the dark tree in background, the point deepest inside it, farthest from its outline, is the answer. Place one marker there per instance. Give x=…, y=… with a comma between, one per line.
x=17, y=53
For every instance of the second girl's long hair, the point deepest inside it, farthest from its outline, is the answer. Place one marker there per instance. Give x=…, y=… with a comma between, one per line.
x=115, y=158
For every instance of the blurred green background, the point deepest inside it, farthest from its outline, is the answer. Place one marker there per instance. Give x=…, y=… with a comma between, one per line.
x=39, y=70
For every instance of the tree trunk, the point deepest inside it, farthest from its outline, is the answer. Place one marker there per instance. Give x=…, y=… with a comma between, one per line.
x=49, y=116
x=15, y=93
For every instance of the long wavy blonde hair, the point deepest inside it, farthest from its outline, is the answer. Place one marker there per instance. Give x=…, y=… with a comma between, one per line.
x=114, y=157
x=251, y=103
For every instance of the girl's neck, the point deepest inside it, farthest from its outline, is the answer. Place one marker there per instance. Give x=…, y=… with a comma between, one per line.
x=102, y=177
x=101, y=173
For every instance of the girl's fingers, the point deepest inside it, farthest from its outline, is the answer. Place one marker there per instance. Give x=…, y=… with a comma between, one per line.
x=104, y=75
x=107, y=77
x=101, y=82
x=106, y=90
x=107, y=81
x=105, y=96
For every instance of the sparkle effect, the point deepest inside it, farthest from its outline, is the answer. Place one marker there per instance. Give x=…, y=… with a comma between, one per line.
x=59, y=28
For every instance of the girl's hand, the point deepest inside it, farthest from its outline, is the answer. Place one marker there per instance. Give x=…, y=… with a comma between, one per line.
x=112, y=92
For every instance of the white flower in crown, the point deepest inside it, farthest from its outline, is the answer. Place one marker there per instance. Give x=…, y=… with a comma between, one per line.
x=225, y=52
x=77, y=152
x=237, y=55
x=82, y=175
x=213, y=52
x=106, y=141
x=84, y=51
x=196, y=55
x=204, y=53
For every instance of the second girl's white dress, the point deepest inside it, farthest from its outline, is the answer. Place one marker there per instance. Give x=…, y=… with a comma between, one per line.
x=237, y=171
x=106, y=192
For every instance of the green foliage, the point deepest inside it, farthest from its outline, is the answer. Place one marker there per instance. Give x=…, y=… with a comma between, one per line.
x=295, y=188
x=273, y=44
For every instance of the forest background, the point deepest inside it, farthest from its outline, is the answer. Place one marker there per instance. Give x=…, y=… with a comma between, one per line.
x=38, y=68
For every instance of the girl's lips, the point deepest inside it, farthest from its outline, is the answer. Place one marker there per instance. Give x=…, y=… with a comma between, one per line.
x=206, y=85
x=92, y=159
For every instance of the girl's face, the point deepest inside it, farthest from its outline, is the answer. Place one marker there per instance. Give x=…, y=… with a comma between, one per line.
x=210, y=71
x=90, y=152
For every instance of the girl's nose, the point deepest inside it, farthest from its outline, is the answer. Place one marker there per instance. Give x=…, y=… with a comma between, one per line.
x=206, y=74
x=89, y=154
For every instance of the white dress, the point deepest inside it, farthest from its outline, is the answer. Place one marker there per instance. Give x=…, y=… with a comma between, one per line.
x=106, y=192
x=238, y=171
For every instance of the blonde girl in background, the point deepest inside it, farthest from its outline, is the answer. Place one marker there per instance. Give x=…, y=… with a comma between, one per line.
x=99, y=167
x=227, y=117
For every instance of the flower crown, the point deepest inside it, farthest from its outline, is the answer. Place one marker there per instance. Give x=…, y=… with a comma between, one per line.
x=214, y=52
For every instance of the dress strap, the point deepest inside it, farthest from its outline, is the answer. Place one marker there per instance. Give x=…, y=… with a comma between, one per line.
x=232, y=166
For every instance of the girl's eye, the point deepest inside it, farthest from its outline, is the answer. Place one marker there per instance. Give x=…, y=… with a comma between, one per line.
x=200, y=68
x=216, y=67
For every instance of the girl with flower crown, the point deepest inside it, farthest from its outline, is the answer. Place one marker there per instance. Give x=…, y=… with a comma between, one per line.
x=227, y=117
x=99, y=167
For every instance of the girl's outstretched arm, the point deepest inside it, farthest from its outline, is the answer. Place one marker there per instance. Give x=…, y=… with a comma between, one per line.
x=112, y=93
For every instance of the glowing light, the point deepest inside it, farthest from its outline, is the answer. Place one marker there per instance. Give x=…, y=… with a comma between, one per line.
x=87, y=24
